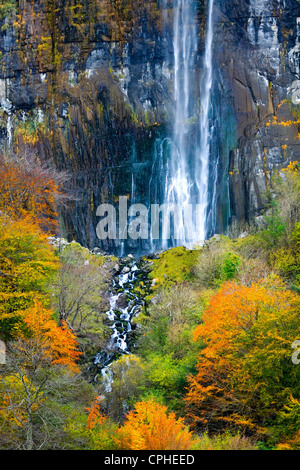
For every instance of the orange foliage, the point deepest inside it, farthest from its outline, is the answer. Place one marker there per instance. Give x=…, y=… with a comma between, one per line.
x=150, y=427
x=247, y=332
x=28, y=189
x=95, y=417
x=58, y=343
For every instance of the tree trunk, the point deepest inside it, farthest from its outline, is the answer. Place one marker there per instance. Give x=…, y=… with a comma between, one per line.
x=29, y=437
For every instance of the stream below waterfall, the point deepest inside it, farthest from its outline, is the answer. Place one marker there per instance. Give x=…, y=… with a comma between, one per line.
x=125, y=305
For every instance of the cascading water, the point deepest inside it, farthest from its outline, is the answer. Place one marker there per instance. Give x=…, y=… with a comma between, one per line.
x=202, y=178
x=123, y=306
x=185, y=48
x=184, y=159
x=181, y=168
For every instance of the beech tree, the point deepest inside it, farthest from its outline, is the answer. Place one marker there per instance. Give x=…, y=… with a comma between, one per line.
x=150, y=427
x=27, y=262
x=40, y=361
x=245, y=373
x=27, y=188
x=37, y=398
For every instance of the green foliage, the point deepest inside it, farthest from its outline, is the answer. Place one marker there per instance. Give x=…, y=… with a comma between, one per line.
x=286, y=260
x=230, y=266
x=226, y=441
x=161, y=371
x=166, y=378
x=289, y=418
x=275, y=226
x=7, y=9
x=37, y=401
x=296, y=236
x=78, y=436
x=218, y=262
x=286, y=195
x=252, y=247
x=127, y=385
x=166, y=342
x=168, y=328
x=27, y=262
x=174, y=266
x=246, y=376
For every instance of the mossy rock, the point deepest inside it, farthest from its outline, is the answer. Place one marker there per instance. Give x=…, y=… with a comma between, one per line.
x=174, y=266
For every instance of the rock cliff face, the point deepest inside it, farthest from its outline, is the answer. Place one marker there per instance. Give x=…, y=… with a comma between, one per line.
x=84, y=85
x=257, y=56
x=88, y=86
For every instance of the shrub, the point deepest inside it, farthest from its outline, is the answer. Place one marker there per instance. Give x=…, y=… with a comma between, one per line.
x=252, y=270
x=230, y=266
x=150, y=427
x=172, y=316
x=217, y=263
x=128, y=382
x=286, y=260
x=286, y=188
x=174, y=266
x=275, y=226
x=226, y=441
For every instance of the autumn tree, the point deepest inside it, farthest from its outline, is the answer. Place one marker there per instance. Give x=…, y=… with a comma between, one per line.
x=245, y=373
x=100, y=428
x=286, y=259
x=150, y=427
x=39, y=362
x=77, y=291
x=56, y=342
x=27, y=261
x=37, y=399
x=28, y=188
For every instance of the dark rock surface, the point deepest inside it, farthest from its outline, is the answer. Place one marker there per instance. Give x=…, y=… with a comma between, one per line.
x=258, y=61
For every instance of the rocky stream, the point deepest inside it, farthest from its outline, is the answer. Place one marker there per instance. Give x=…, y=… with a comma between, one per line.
x=125, y=304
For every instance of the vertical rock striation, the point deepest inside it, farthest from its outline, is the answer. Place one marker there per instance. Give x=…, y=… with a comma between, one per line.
x=258, y=61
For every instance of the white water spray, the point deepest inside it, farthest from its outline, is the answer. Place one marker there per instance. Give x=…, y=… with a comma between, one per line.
x=188, y=171
x=202, y=179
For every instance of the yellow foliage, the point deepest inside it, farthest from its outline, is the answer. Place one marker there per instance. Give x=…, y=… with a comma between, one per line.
x=26, y=263
x=13, y=387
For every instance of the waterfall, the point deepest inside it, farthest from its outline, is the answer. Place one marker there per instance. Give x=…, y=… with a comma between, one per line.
x=185, y=48
x=187, y=173
x=183, y=171
x=203, y=174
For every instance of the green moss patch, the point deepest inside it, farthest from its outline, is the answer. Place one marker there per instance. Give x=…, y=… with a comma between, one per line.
x=174, y=266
